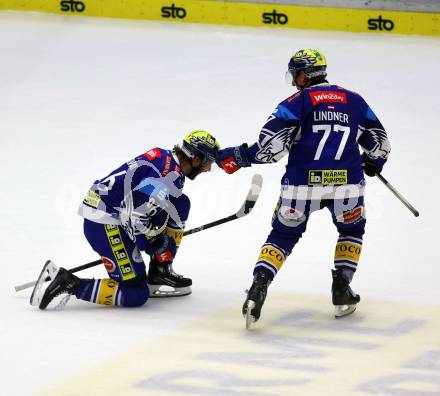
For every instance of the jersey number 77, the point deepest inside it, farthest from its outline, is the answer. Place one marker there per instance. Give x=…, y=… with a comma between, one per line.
x=327, y=129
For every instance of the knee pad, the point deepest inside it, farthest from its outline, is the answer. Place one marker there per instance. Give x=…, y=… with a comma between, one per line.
x=134, y=296
x=285, y=241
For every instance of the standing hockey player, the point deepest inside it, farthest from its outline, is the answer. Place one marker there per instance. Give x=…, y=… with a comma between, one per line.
x=321, y=128
x=137, y=207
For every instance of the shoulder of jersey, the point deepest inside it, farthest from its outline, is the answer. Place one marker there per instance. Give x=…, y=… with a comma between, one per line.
x=329, y=94
x=164, y=160
x=347, y=90
x=293, y=97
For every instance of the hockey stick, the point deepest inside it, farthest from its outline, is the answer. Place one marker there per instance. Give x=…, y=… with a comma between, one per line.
x=413, y=210
x=248, y=205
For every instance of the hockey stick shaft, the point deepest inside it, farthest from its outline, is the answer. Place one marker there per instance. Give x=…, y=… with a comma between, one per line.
x=209, y=225
x=413, y=210
x=245, y=209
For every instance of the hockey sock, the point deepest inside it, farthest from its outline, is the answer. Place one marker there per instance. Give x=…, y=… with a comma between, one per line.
x=271, y=259
x=99, y=291
x=347, y=254
x=110, y=292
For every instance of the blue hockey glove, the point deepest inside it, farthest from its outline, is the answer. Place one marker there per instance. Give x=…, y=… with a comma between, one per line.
x=370, y=169
x=231, y=159
x=163, y=247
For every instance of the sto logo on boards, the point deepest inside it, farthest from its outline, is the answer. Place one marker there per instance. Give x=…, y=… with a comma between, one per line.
x=275, y=18
x=173, y=12
x=72, y=6
x=380, y=24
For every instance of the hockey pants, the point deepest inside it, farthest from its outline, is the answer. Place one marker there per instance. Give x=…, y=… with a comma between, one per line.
x=127, y=283
x=123, y=261
x=289, y=222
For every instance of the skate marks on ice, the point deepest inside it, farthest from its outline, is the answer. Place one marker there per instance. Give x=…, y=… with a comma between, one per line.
x=297, y=347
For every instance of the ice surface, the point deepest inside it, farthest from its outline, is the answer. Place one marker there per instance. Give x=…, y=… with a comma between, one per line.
x=80, y=96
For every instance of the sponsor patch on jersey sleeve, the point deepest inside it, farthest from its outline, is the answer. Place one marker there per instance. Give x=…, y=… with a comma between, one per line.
x=153, y=154
x=167, y=166
x=92, y=199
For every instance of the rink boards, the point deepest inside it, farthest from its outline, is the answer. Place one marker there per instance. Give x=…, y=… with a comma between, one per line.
x=245, y=14
x=384, y=348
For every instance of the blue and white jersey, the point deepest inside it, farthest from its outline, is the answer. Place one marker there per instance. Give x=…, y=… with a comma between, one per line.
x=321, y=129
x=143, y=196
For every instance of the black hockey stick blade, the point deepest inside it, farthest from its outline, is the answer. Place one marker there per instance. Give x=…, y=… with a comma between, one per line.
x=248, y=205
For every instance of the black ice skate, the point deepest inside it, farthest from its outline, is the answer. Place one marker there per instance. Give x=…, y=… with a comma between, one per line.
x=344, y=299
x=164, y=282
x=61, y=282
x=255, y=298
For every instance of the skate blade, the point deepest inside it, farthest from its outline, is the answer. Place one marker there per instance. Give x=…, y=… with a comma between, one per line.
x=63, y=302
x=344, y=310
x=160, y=291
x=50, y=270
x=249, y=317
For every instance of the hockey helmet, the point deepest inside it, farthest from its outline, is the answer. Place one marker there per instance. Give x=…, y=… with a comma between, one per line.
x=311, y=61
x=202, y=143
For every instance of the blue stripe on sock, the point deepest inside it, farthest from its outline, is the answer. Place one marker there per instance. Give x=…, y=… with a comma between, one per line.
x=96, y=290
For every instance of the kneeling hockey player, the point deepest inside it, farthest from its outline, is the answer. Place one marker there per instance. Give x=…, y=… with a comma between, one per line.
x=137, y=207
x=321, y=128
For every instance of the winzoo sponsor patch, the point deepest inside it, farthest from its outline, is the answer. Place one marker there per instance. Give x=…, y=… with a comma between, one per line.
x=297, y=347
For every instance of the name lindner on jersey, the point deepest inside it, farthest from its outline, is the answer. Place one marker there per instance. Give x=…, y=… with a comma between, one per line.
x=321, y=129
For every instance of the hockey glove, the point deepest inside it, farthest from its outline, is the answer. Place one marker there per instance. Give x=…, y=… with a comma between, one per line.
x=231, y=159
x=163, y=248
x=370, y=169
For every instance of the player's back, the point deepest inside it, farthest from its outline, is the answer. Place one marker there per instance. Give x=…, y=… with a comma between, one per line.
x=326, y=151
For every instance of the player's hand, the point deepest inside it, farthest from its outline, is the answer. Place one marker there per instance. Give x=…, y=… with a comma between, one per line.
x=370, y=168
x=231, y=159
x=163, y=247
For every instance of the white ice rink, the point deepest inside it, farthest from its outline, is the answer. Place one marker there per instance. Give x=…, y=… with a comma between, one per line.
x=80, y=96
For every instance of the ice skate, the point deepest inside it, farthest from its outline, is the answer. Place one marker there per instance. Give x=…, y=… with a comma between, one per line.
x=61, y=282
x=255, y=298
x=164, y=282
x=344, y=299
